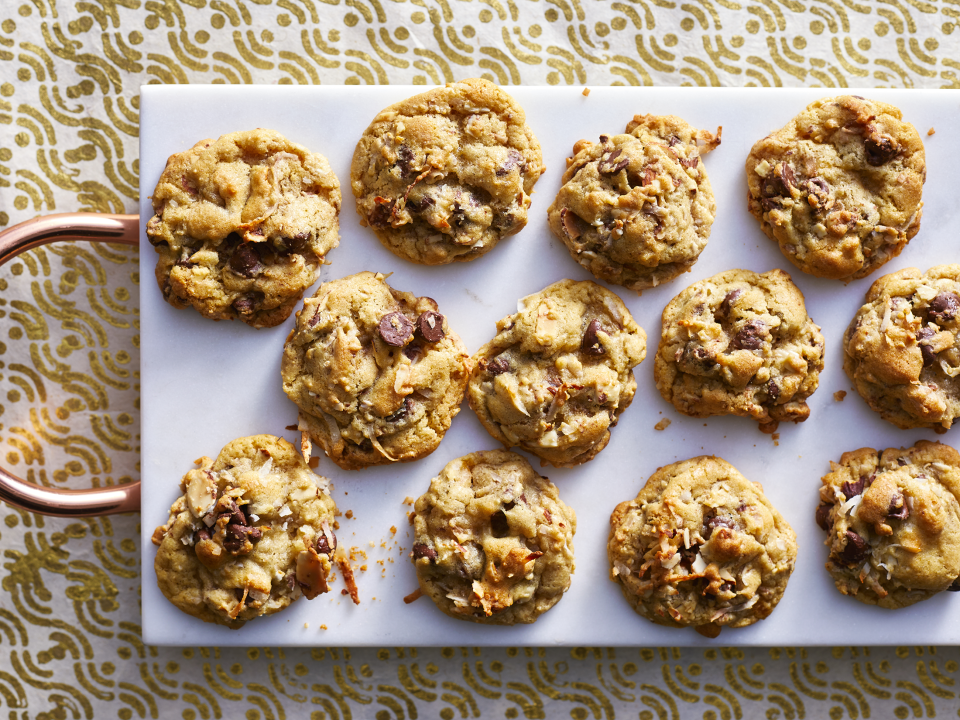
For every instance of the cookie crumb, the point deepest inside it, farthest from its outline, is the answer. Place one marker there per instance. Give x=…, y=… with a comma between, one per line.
x=663, y=424
x=586, y=93
x=410, y=516
x=306, y=625
x=323, y=627
x=839, y=395
x=413, y=597
x=408, y=500
x=931, y=131
x=393, y=529
x=348, y=514
x=348, y=579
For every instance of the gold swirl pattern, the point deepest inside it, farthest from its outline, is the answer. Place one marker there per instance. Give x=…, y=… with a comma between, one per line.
x=69, y=382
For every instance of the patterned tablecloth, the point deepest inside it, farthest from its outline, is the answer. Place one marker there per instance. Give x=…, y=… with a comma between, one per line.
x=70, y=72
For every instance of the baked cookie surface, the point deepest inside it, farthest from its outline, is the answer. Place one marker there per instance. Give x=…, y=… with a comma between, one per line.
x=901, y=349
x=559, y=372
x=740, y=343
x=839, y=186
x=636, y=209
x=242, y=225
x=377, y=373
x=445, y=175
x=892, y=520
x=493, y=541
x=701, y=546
x=252, y=532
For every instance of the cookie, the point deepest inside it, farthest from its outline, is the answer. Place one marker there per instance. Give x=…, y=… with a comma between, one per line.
x=377, y=373
x=892, y=520
x=900, y=349
x=559, y=372
x=242, y=225
x=636, y=209
x=445, y=175
x=740, y=343
x=839, y=186
x=251, y=533
x=701, y=546
x=493, y=541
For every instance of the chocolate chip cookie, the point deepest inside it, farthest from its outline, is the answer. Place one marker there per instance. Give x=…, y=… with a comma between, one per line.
x=242, y=225
x=892, y=520
x=740, y=343
x=494, y=542
x=445, y=175
x=377, y=373
x=901, y=350
x=559, y=372
x=839, y=186
x=251, y=533
x=701, y=546
x=636, y=209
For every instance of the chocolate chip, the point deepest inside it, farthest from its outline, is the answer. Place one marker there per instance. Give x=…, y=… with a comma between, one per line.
x=512, y=161
x=750, y=336
x=419, y=204
x=430, y=326
x=248, y=303
x=458, y=217
x=395, y=329
x=591, y=344
x=955, y=587
x=787, y=177
x=715, y=521
x=898, y=507
x=323, y=544
x=499, y=525
x=944, y=307
x=690, y=162
x=200, y=535
x=414, y=352
x=880, y=149
x=509, y=505
x=245, y=260
x=852, y=489
x=823, y=515
x=405, y=159
x=424, y=551
x=612, y=163
x=236, y=536
x=855, y=550
x=728, y=300
x=687, y=556
x=402, y=412
x=381, y=213
x=819, y=190
x=773, y=390
x=496, y=366
x=701, y=356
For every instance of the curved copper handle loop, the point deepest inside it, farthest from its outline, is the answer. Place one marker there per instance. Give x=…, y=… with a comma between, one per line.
x=95, y=227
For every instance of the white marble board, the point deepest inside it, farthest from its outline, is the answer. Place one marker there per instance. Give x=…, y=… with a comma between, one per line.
x=205, y=383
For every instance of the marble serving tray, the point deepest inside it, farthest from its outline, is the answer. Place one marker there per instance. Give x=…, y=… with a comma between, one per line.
x=205, y=383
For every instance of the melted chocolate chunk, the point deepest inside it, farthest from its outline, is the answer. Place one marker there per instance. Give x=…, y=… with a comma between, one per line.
x=323, y=544
x=497, y=366
x=823, y=515
x=245, y=260
x=898, y=509
x=236, y=536
x=702, y=357
x=943, y=307
x=200, y=535
x=499, y=525
x=382, y=210
x=248, y=303
x=430, y=326
x=855, y=550
x=612, y=163
x=880, y=149
x=750, y=336
x=512, y=161
x=852, y=489
x=395, y=329
x=424, y=551
x=728, y=300
x=773, y=390
x=715, y=521
x=405, y=159
x=591, y=344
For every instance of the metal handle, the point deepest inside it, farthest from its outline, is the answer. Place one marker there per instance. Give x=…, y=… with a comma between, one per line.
x=94, y=227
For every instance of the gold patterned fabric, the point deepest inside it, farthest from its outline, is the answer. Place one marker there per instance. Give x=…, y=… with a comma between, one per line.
x=70, y=72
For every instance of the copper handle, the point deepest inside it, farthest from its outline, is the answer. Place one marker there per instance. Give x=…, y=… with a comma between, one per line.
x=94, y=227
